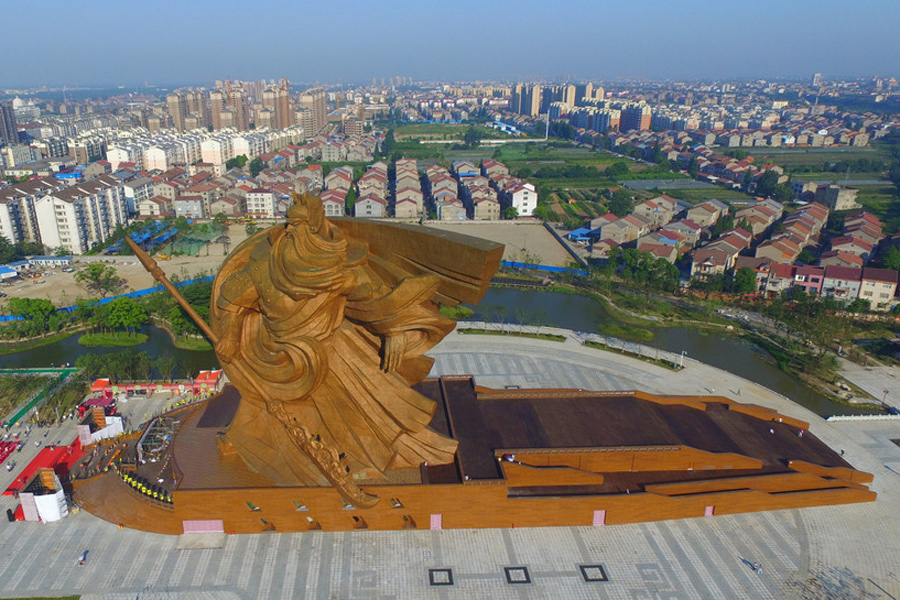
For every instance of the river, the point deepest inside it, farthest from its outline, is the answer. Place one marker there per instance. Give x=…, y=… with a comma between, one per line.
x=569, y=311
x=728, y=352
x=68, y=350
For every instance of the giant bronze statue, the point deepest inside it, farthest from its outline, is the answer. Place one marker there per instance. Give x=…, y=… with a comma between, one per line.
x=322, y=326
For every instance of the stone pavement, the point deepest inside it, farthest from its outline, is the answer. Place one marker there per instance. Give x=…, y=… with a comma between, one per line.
x=830, y=553
x=876, y=380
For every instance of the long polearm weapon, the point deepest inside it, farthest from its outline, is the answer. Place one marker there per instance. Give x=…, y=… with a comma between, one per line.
x=326, y=459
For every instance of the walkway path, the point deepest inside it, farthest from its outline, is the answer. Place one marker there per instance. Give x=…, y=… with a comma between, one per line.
x=818, y=553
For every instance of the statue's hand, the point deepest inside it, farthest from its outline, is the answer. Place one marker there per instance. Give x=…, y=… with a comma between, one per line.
x=227, y=349
x=392, y=352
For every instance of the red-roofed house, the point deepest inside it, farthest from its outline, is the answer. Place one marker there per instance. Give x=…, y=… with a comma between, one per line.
x=878, y=287
x=842, y=283
x=370, y=206
x=839, y=258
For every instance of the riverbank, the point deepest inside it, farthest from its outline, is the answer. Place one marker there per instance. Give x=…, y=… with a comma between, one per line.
x=10, y=347
x=724, y=345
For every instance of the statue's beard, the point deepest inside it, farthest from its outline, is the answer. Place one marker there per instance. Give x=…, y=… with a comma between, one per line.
x=303, y=263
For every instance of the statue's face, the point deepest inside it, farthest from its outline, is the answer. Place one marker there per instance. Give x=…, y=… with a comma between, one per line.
x=307, y=210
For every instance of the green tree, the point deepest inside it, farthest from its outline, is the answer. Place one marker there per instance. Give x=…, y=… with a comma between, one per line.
x=256, y=166
x=166, y=366
x=744, y=281
x=350, y=201
x=894, y=175
x=693, y=168
x=473, y=136
x=859, y=305
x=765, y=187
x=126, y=313
x=36, y=311
x=783, y=192
x=252, y=229
x=891, y=259
x=542, y=212
x=511, y=212
x=388, y=144
x=617, y=168
x=7, y=251
x=621, y=203
x=100, y=279
x=725, y=223
x=237, y=162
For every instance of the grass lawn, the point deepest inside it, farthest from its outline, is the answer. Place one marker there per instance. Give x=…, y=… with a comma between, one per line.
x=457, y=313
x=536, y=336
x=192, y=343
x=14, y=390
x=115, y=338
x=655, y=361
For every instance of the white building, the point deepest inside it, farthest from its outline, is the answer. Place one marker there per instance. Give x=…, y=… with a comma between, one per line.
x=190, y=207
x=369, y=206
x=136, y=191
x=217, y=151
x=78, y=217
x=250, y=144
x=524, y=198
x=43, y=498
x=261, y=203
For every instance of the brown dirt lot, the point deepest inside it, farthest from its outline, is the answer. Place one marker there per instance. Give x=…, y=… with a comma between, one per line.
x=62, y=289
x=516, y=235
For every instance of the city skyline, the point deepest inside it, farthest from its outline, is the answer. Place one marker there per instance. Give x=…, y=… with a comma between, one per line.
x=350, y=42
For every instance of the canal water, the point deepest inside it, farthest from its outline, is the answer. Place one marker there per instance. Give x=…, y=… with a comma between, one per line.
x=68, y=350
x=569, y=311
x=730, y=353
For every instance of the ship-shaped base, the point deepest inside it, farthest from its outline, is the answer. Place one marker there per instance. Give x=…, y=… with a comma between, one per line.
x=526, y=458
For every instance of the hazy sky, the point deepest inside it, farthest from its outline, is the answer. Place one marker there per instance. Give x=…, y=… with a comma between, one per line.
x=98, y=42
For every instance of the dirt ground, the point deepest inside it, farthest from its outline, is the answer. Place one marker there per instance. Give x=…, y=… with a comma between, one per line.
x=62, y=289
x=531, y=237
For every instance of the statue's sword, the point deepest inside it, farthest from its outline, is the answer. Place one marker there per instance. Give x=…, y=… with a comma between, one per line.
x=326, y=459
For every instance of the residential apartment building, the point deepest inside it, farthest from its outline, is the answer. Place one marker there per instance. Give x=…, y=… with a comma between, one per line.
x=9, y=133
x=313, y=101
x=18, y=220
x=261, y=203
x=78, y=217
x=370, y=206
x=878, y=286
x=636, y=116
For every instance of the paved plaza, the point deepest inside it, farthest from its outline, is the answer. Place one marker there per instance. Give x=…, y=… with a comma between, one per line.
x=817, y=553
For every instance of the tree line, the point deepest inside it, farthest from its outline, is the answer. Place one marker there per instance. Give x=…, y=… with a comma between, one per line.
x=41, y=317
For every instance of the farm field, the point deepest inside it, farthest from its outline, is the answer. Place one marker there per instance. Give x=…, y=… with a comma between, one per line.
x=442, y=131
x=788, y=157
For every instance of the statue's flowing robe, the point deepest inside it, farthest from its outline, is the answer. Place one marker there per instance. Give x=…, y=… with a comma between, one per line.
x=310, y=317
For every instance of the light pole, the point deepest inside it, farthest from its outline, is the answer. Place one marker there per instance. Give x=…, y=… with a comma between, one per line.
x=681, y=360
